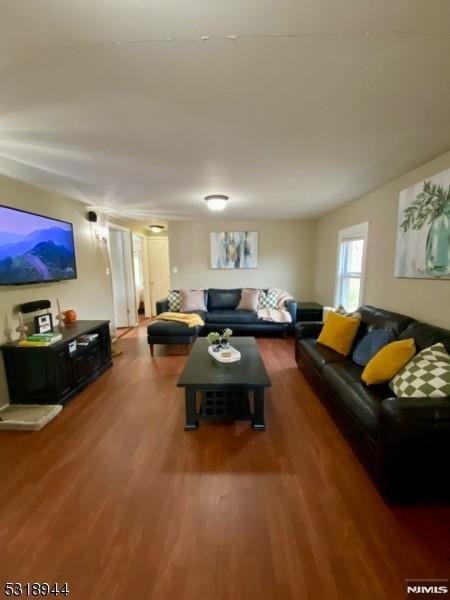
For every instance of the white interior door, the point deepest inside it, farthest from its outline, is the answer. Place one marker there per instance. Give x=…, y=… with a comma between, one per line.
x=138, y=270
x=146, y=270
x=122, y=277
x=158, y=262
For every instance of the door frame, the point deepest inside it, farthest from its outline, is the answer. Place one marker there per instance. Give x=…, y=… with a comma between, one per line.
x=145, y=272
x=149, y=242
x=130, y=288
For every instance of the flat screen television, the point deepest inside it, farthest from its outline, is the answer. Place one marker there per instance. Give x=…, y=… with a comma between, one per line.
x=34, y=248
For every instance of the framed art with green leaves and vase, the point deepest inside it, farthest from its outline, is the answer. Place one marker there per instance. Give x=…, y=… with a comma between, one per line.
x=423, y=231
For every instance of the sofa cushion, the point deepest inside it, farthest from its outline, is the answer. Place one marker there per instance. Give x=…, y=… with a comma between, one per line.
x=344, y=381
x=192, y=300
x=170, y=329
x=174, y=299
x=427, y=375
x=370, y=344
x=338, y=333
x=223, y=299
x=318, y=354
x=377, y=318
x=230, y=317
x=200, y=313
x=177, y=293
x=388, y=361
x=269, y=299
x=363, y=403
x=249, y=300
x=346, y=371
x=427, y=335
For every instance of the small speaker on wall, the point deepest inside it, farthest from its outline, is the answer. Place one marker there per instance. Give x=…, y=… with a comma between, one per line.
x=28, y=307
x=92, y=216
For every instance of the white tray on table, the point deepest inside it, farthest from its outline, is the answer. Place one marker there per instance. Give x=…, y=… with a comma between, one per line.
x=235, y=354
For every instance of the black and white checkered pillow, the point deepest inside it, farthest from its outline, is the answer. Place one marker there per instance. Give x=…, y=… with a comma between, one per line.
x=427, y=375
x=174, y=299
x=268, y=299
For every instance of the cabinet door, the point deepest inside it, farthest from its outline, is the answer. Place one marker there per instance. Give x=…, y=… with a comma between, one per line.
x=64, y=372
x=85, y=363
x=105, y=345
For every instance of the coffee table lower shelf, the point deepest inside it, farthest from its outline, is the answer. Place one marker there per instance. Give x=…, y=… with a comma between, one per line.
x=218, y=405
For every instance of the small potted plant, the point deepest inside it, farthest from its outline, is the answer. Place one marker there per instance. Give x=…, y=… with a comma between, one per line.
x=225, y=337
x=214, y=339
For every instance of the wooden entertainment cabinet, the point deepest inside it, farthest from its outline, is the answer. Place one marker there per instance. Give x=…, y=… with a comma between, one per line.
x=53, y=374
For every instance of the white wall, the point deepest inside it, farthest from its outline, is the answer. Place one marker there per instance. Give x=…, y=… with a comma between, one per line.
x=90, y=295
x=286, y=256
x=425, y=299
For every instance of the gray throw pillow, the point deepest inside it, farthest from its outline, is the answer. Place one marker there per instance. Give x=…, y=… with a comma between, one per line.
x=249, y=300
x=192, y=300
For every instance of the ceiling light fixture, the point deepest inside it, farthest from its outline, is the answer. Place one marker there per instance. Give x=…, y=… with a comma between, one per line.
x=216, y=201
x=156, y=228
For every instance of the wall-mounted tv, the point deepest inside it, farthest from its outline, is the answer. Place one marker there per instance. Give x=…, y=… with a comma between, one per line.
x=34, y=248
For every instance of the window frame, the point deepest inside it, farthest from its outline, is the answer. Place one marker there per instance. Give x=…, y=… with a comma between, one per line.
x=355, y=232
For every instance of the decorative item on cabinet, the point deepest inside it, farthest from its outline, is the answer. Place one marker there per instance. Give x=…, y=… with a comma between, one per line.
x=70, y=316
x=60, y=315
x=22, y=329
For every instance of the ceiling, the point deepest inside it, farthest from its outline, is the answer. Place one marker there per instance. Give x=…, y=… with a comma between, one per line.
x=291, y=107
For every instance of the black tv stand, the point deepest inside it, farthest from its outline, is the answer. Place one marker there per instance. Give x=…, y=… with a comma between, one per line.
x=53, y=374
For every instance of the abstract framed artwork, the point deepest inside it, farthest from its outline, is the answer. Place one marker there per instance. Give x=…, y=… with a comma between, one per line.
x=234, y=250
x=423, y=230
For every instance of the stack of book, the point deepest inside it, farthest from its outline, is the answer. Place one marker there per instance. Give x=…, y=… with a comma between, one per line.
x=41, y=339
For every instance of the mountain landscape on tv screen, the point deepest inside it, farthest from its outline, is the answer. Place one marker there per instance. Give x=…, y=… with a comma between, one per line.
x=39, y=255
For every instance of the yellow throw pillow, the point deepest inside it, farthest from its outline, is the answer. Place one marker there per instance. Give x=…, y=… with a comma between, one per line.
x=338, y=333
x=388, y=361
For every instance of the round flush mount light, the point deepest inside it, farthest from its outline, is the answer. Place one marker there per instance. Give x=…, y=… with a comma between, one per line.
x=216, y=201
x=156, y=228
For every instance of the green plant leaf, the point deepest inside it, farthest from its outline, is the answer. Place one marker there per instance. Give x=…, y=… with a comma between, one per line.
x=429, y=204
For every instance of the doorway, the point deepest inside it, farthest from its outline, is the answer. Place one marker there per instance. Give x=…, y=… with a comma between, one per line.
x=122, y=277
x=158, y=266
x=139, y=283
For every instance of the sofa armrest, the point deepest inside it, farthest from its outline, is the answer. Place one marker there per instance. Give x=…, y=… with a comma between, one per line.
x=162, y=306
x=413, y=446
x=308, y=329
x=291, y=307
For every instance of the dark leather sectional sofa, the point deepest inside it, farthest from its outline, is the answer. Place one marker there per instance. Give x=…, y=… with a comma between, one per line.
x=403, y=442
x=221, y=312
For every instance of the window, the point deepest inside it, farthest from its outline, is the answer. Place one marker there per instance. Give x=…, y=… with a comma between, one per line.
x=350, y=266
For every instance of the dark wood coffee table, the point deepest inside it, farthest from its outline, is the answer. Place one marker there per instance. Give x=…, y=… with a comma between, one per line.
x=225, y=392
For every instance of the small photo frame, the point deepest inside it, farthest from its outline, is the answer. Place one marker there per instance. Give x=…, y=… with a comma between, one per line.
x=43, y=323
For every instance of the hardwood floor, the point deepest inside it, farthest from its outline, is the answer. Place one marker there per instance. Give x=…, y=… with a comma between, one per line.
x=115, y=498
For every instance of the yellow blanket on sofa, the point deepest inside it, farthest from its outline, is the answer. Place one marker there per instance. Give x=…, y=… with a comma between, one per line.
x=191, y=319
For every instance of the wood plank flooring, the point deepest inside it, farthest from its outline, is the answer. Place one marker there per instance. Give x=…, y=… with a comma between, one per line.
x=116, y=499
